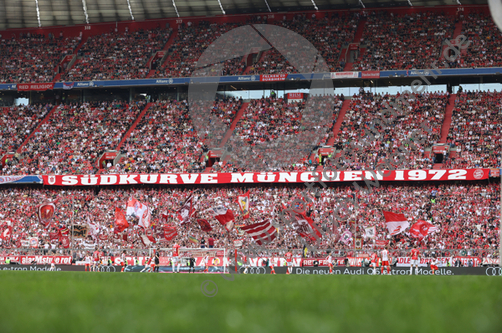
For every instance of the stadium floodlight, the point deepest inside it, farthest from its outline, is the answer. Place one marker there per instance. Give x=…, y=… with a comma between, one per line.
x=315, y=6
x=38, y=14
x=176, y=9
x=130, y=9
x=268, y=6
x=84, y=5
x=222, y=10
x=361, y=3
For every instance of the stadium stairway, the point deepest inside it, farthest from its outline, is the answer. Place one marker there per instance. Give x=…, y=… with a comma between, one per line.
x=166, y=47
x=49, y=114
x=238, y=116
x=447, y=118
x=339, y=122
x=133, y=126
x=359, y=31
x=456, y=33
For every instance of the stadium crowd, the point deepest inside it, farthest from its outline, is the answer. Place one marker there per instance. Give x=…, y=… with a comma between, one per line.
x=74, y=137
x=17, y=123
x=392, y=41
x=117, y=56
x=31, y=58
x=466, y=215
x=475, y=130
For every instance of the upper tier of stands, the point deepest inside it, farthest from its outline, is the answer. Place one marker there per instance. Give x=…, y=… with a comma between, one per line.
x=385, y=41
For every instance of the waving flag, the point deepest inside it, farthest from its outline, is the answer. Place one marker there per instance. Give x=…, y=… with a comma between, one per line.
x=224, y=215
x=204, y=225
x=170, y=232
x=6, y=232
x=305, y=227
x=243, y=201
x=120, y=221
x=396, y=223
x=140, y=211
x=422, y=229
x=45, y=213
x=370, y=232
x=186, y=210
x=263, y=232
x=346, y=237
x=193, y=239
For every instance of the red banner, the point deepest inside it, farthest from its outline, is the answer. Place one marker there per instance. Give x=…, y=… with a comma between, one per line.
x=266, y=177
x=40, y=260
x=35, y=86
x=273, y=77
x=295, y=95
x=438, y=149
x=370, y=75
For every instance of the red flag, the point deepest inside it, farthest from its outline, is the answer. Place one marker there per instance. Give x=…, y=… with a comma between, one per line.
x=262, y=232
x=120, y=220
x=65, y=241
x=422, y=229
x=204, y=225
x=53, y=235
x=170, y=232
x=224, y=215
x=305, y=227
x=6, y=233
x=45, y=213
x=243, y=201
x=186, y=210
x=396, y=223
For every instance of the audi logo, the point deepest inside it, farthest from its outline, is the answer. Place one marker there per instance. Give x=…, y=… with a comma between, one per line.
x=494, y=271
x=106, y=269
x=253, y=270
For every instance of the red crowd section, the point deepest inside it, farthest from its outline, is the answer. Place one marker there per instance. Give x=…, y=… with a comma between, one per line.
x=466, y=215
x=381, y=39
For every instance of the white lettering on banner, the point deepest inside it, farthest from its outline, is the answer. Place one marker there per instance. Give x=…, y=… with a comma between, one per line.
x=40, y=260
x=242, y=178
x=267, y=177
x=108, y=180
x=168, y=179
x=286, y=177
x=352, y=175
x=128, y=179
x=189, y=178
x=70, y=180
x=207, y=178
x=148, y=179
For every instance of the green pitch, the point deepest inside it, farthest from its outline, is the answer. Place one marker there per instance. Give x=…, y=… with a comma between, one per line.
x=133, y=302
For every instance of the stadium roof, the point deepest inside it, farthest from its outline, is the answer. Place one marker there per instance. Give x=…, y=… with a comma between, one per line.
x=44, y=13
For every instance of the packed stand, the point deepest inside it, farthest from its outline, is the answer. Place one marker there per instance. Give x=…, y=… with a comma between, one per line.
x=393, y=41
x=165, y=140
x=466, y=215
x=485, y=39
x=362, y=152
x=17, y=123
x=475, y=130
x=188, y=46
x=117, y=56
x=74, y=137
x=32, y=58
x=329, y=35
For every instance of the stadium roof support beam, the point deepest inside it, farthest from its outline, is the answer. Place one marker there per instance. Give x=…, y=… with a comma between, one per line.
x=362, y=3
x=176, y=9
x=313, y=2
x=130, y=9
x=38, y=14
x=266, y=2
x=221, y=7
x=84, y=6
x=409, y=2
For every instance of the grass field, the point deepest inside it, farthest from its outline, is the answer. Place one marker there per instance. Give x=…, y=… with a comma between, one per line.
x=132, y=302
